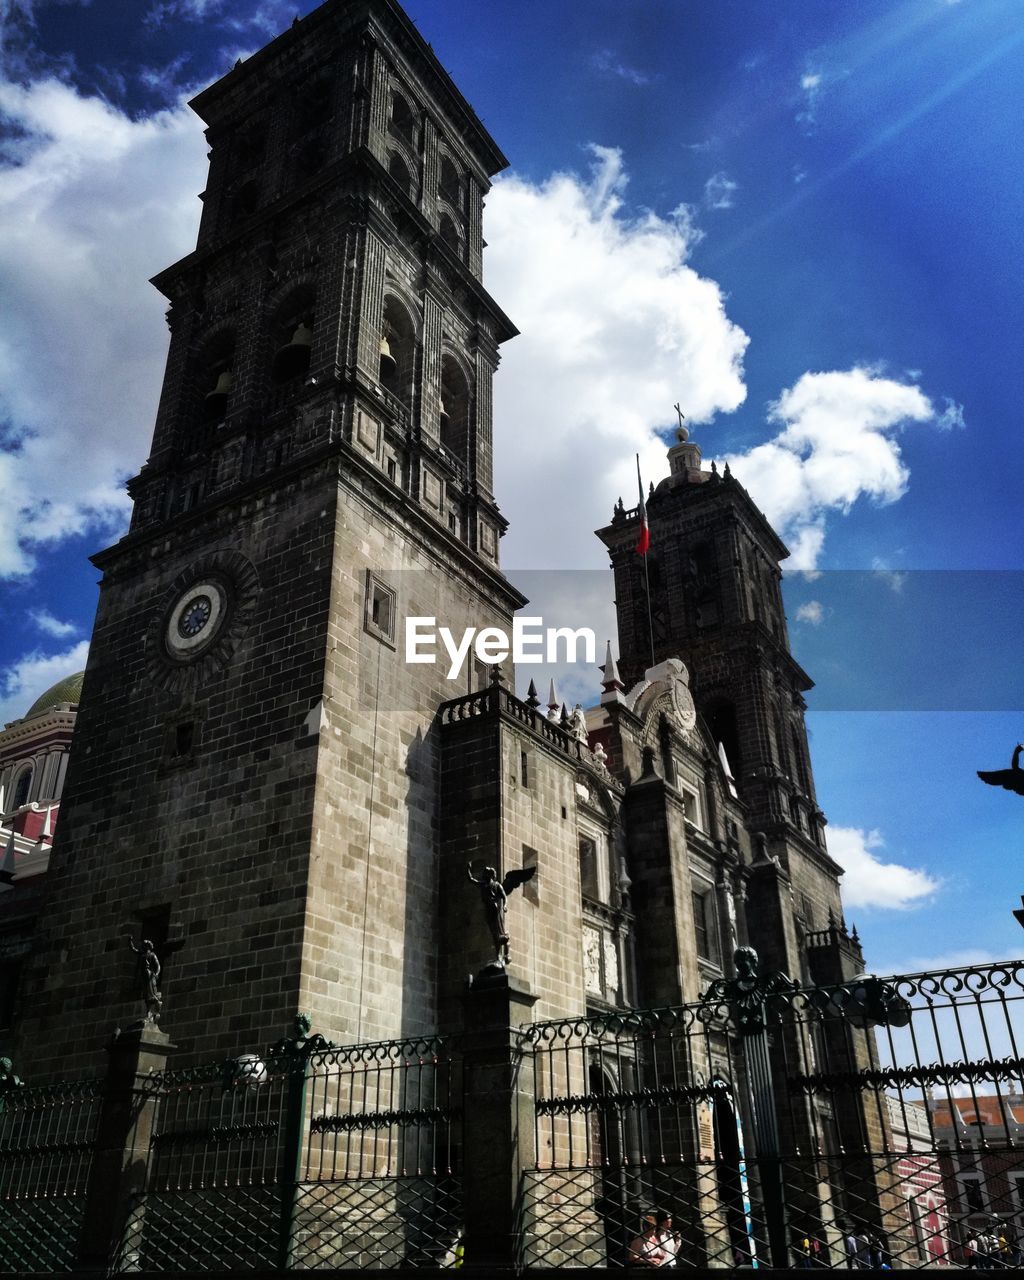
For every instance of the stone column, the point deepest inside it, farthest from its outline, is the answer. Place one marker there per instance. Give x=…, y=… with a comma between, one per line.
x=120, y=1169
x=498, y=1125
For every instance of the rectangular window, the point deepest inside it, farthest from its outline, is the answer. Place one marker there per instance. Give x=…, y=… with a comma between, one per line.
x=974, y=1195
x=184, y=738
x=704, y=932
x=380, y=609
x=530, y=889
x=524, y=769
x=392, y=470
x=691, y=806
x=588, y=869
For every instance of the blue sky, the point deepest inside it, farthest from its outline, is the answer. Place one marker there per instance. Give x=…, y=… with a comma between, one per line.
x=802, y=220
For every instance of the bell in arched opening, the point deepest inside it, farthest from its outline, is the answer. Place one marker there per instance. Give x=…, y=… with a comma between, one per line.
x=388, y=364
x=293, y=358
x=215, y=402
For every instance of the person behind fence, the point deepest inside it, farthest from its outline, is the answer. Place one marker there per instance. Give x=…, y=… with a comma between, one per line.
x=668, y=1239
x=645, y=1250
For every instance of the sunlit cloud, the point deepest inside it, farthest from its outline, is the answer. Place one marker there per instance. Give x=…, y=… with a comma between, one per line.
x=869, y=880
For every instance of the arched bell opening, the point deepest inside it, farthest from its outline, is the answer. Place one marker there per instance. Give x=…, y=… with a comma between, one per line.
x=450, y=234
x=216, y=379
x=313, y=101
x=293, y=338
x=403, y=122
x=399, y=172
x=454, y=413
x=397, y=351
x=450, y=184
x=720, y=717
x=245, y=200
x=309, y=157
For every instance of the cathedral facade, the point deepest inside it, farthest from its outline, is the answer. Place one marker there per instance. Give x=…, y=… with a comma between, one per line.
x=260, y=783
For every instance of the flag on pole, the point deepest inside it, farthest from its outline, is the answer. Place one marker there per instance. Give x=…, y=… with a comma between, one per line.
x=644, y=540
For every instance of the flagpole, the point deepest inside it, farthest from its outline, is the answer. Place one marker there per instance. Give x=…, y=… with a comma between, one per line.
x=647, y=576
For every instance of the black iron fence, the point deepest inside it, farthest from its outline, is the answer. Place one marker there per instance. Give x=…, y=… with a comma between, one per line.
x=880, y=1121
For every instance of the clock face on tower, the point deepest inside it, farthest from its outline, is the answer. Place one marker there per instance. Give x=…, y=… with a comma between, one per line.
x=195, y=619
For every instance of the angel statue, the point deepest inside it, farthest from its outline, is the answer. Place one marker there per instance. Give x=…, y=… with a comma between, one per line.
x=1011, y=779
x=494, y=895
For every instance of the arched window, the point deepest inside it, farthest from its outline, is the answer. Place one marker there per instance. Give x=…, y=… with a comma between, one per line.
x=799, y=763
x=397, y=351
x=403, y=122
x=309, y=158
x=399, y=171
x=22, y=787
x=245, y=200
x=449, y=233
x=720, y=717
x=450, y=184
x=250, y=145
x=313, y=101
x=293, y=337
x=702, y=562
x=216, y=377
x=454, y=419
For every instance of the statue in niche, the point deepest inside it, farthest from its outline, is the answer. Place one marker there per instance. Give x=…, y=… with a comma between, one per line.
x=149, y=977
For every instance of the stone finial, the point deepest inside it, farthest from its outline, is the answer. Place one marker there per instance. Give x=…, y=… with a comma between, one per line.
x=612, y=681
x=578, y=724
x=532, y=699
x=565, y=719
x=497, y=677
x=552, y=701
x=727, y=473
x=714, y=467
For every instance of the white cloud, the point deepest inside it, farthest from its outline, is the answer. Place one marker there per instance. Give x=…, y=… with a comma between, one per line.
x=952, y=416
x=719, y=191
x=32, y=674
x=837, y=443
x=51, y=626
x=608, y=64
x=616, y=327
x=812, y=611
x=810, y=88
x=92, y=204
x=871, y=882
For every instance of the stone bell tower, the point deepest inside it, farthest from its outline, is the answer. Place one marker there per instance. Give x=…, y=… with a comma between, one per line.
x=254, y=776
x=715, y=602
